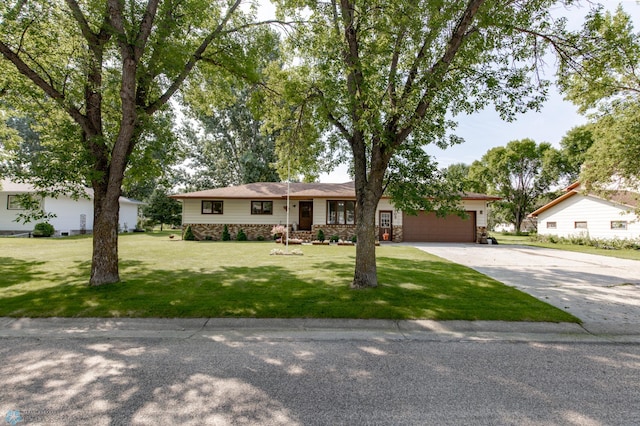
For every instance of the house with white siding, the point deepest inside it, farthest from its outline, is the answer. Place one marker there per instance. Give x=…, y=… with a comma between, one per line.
x=257, y=207
x=577, y=212
x=71, y=216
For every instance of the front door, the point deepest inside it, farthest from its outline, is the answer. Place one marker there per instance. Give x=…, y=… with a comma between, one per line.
x=385, y=226
x=306, y=215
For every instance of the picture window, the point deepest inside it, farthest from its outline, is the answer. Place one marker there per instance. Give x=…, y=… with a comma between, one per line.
x=262, y=207
x=341, y=212
x=212, y=207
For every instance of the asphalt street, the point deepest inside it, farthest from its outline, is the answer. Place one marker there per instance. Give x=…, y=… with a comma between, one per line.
x=217, y=380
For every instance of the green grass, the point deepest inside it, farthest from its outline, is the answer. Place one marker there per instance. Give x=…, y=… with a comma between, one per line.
x=526, y=240
x=173, y=278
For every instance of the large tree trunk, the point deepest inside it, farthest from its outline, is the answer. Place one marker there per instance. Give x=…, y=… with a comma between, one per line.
x=106, y=211
x=368, y=194
x=366, y=274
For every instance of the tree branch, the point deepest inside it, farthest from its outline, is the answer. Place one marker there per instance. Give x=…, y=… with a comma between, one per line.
x=146, y=25
x=48, y=88
x=440, y=68
x=197, y=55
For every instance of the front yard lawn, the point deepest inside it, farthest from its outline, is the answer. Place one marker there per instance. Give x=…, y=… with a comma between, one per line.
x=163, y=277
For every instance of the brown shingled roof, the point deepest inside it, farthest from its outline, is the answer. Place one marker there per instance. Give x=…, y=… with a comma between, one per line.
x=275, y=190
x=299, y=190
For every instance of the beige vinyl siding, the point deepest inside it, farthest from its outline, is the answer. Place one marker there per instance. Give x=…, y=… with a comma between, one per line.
x=478, y=206
x=237, y=212
x=596, y=212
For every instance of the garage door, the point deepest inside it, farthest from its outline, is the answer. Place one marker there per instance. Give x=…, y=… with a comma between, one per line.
x=427, y=227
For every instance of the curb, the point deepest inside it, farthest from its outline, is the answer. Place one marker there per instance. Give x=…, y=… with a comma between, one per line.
x=301, y=329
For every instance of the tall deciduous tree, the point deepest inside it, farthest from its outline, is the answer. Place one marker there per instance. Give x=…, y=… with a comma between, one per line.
x=381, y=79
x=575, y=145
x=602, y=77
x=231, y=148
x=520, y=173
x=100, y=74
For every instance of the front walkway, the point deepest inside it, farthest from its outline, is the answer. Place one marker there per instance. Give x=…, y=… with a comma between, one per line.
x=604, y=292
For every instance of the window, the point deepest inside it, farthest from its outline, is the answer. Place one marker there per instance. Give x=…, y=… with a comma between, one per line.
x=618, y=224
x=341, y=212
x=13, y=203
x=580, y=225
x=262, y=207
x=211, y=207
x=552, y=225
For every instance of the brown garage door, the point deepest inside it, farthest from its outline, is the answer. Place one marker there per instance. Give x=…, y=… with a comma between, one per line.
x=427, y=227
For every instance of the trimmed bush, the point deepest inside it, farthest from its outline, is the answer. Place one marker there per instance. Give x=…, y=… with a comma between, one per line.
x=226, y=236
x=334, y=238
x=260, y=238
x=188, y=234
x=43, y=229
x=320, y=236
x=354, y=239
x=241, y=236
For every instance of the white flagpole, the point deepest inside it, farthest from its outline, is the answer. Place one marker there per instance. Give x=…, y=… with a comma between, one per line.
x=288, y=190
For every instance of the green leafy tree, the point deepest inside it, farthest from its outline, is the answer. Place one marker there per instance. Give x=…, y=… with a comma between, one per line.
x=602, y=66
x=372, y=82
x=612, y=162
x=162, y=209
x=602, y=77
x=231, y=148
x=98, y=75
x=575, y=145
x=521, y=173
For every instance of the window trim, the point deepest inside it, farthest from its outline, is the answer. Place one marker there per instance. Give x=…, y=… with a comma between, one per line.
x=345, y=212
x=552, y=225
x=12, y=201
x=621, y=222
x=262, y=203
x=575, y=224
x=213, y=211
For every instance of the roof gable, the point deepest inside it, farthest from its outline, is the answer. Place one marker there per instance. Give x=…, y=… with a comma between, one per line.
x=622, y=198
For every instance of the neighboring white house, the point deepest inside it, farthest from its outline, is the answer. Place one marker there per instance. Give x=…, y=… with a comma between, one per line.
x=256, y=208
x=579, y=213
x=72, y=216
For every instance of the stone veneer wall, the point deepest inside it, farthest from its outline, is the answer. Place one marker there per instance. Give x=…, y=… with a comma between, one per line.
x=397, y=235
x=346, y=232
x=214, y=231
x=202, y=231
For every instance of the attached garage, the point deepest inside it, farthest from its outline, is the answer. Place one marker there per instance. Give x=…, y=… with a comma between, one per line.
x=427, y=227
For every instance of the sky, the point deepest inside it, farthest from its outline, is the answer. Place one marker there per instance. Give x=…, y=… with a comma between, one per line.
x=485, y=130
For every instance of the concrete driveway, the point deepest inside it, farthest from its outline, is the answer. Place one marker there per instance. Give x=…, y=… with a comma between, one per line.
x=604, y=292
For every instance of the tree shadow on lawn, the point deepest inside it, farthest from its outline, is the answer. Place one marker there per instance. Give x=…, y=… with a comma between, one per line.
x=16, y=271
x=409, y=289
x=448, y=291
